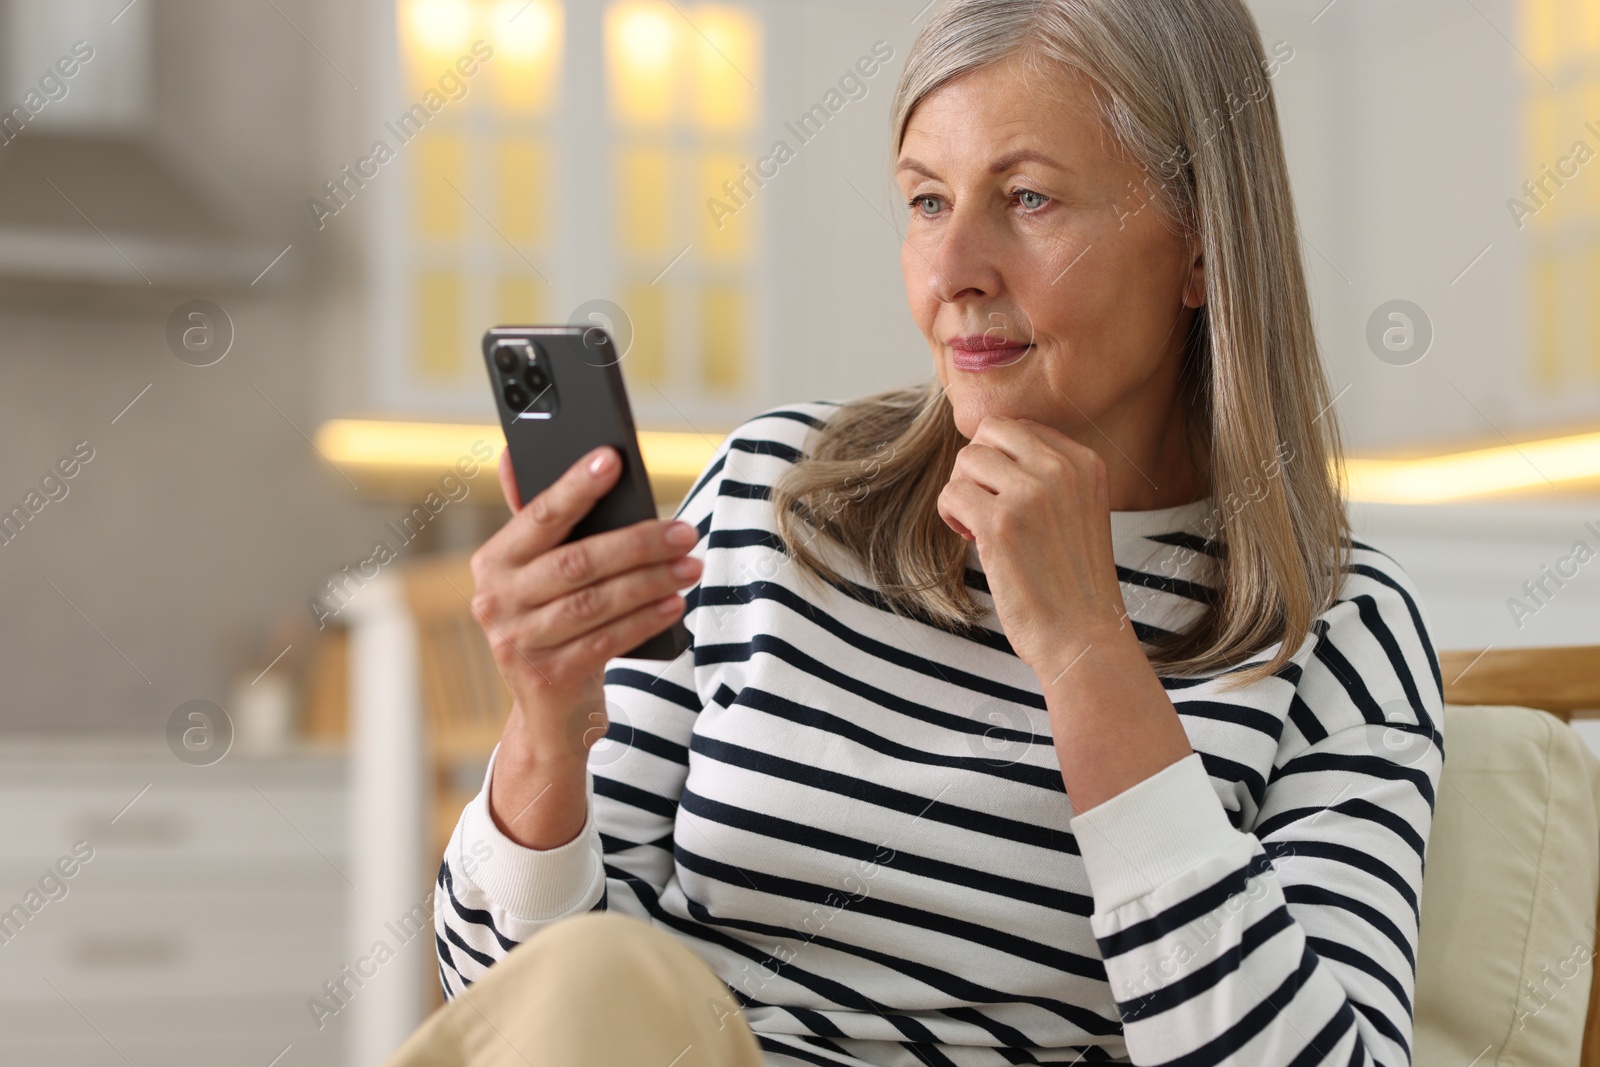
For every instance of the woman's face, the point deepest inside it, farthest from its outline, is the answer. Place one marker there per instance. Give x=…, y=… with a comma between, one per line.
x=1026, y=232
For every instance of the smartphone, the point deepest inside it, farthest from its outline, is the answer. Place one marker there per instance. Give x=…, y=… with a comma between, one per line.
x=560, y=395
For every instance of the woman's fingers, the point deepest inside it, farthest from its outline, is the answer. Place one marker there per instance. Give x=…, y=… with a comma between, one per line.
x=959, y=501
x=568, y=568
x=508, y=482
x=986, y=467
x=544, y=522
x=1013, y=435
x=555, y=611
x=589, y=653
x=592, y=608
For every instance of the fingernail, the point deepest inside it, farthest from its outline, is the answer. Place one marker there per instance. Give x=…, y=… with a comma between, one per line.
x=682, y=534
x=600, y=461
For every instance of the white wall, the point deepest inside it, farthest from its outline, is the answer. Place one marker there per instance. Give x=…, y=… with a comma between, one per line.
x=1403, y=128
x=841, y=326
x=1403, y=125
x=1470, y=561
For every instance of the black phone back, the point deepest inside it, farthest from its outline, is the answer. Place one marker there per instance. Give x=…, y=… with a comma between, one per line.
x=560, y=395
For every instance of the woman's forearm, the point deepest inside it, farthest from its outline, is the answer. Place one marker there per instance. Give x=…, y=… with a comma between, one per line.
x=537, y=795
x=1113, y=723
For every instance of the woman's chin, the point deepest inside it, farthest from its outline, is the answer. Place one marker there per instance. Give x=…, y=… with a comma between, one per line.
x=972, y=402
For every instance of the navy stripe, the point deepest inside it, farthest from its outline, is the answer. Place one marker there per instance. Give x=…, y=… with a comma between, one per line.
x=946, y=982
x=1179, y=915
x=643, y=799
x=909, y=863
x=1340, y=952
x=1258, y=1019
x=1006, y=763
x=864, y=792
x=709, y=475
x=756, y=446
x=1193, y=542
x=473, y=915
x=742, y=595
x=1421, y=631
x=480, y=958
x=1301, y=715
x=1313, y=894
x=1355, y=807
x=1356, y=766
x=1188, y=590
x=1350, y=678
x=768, y=644
x=1251, y=718
x=447, y=959
x=772, y=1045
x=1207, y=976
x=1290, y=848
x=628, y=736
x=703, y=926
x=655, y=685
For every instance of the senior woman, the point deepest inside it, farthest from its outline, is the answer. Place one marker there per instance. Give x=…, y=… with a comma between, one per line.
x=1043, y=713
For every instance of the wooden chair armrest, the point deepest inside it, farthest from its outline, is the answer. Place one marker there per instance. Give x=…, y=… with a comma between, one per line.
x=1563, y=681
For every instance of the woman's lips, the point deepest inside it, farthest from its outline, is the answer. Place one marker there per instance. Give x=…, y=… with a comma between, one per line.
x=976, y=359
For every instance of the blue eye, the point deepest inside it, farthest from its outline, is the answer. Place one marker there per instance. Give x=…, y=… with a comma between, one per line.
x=913, y=202
x=1029, y=192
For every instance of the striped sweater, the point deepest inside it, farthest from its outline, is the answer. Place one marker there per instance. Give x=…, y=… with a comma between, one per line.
x=858, y=820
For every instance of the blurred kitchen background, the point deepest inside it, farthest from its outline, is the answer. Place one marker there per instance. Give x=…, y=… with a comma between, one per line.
x=239, y=343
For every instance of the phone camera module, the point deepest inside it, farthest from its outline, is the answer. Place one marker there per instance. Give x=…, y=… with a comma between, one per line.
x=527, y=384
x=506, y=358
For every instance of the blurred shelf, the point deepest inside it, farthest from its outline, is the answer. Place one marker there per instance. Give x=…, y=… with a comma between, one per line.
x=404, y=460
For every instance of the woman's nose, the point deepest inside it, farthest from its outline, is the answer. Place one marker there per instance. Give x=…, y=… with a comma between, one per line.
x=962, y=260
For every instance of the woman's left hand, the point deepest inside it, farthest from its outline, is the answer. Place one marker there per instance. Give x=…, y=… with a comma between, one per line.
x=1038, y=505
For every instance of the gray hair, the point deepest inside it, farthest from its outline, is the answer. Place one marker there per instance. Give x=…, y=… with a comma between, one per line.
x=1184, y=90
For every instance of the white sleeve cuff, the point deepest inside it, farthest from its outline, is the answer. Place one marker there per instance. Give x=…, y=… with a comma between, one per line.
x=531, y=884
x=1152, y=832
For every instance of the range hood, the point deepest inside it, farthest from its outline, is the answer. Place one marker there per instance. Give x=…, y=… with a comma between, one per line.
x=107, y=210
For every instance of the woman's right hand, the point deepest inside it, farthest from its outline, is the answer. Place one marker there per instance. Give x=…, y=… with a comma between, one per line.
x=553, y=614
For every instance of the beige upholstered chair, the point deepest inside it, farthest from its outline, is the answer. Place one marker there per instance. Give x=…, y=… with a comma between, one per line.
x=1511, y=887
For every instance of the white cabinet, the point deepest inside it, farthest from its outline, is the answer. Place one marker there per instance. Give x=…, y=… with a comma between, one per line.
x=212, y=907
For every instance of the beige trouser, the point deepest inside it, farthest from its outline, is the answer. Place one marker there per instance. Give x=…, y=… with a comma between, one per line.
x=600, y=989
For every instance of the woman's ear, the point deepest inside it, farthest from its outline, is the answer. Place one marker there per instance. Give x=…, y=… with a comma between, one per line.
x=1194, y=288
